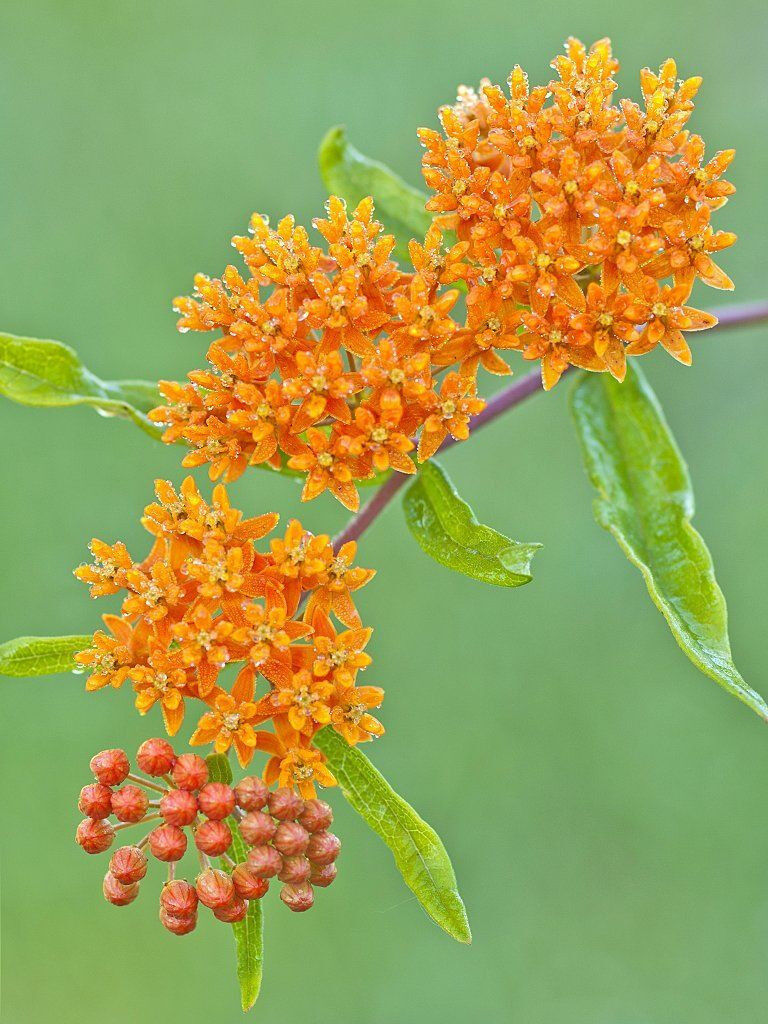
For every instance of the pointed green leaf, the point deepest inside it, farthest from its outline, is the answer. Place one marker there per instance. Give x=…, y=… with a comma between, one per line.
x=249, y=933
x=351, y=176
x=418, y=851
x=36, y=372
x=41, y=655
x=447, y=530
x=644, y=498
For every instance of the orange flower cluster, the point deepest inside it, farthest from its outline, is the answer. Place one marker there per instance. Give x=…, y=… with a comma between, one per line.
x=324, y=357
x=206, y=598
x=571, y=211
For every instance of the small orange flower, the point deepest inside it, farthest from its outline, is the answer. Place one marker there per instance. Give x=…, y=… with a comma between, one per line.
x=449, y=413
x=164, y=680
x=350, y=713
x=231, y=720
x=304, y=699
x=107, y=575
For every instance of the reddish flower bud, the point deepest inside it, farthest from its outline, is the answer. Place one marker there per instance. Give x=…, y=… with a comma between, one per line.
x=323, y=874
x=95, y=801
x=178, y=807
x=316, y=816
x=94, y=836
x=167, y=843
x=213, y=838
x=257, y=828
x=290, y=838
x=285, y=804
x=178, y=898
x=323, y=847
x=190, y=772
x=128, y=864
x=214, y=888
x=297, y=897
x=216, y=800
x=130, y=803
x=251, y=793
x=178, y=925
x=247, y=885
x=155, y=757
x=295, y=869
x=116, y=893
x=110, y=767
x=264, y=861
x=232, y=912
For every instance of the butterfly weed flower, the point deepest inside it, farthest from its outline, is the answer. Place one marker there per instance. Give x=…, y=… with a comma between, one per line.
x=217, y=590
x=557, y=189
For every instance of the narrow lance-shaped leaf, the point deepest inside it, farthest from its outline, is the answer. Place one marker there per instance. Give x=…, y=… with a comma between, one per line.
x=418, y=851
x=249, y=933
x=37, y=372
x=351, y=176
x=447, y=530
x=41, y=655
x=644, y=498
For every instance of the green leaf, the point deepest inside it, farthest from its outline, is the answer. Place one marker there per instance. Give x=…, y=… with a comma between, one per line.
x=35, y=372
x=447, y=530
x=41, y=655
x=351, y=176
x=249, y=933
x=644, y=498
x=418, y=851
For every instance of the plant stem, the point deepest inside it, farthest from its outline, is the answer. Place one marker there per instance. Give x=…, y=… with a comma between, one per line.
x=739, y=315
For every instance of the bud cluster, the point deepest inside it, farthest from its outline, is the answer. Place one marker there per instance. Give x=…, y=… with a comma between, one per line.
x=289, y=839
x=288, y=835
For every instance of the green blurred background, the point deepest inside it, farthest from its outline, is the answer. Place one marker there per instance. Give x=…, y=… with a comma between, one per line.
x=603, y=803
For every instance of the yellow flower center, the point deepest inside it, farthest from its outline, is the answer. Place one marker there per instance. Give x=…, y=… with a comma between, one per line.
x=543, y=261
x=659, y=309
x=325, y=459
x=570, y=187
x=291, y=264
x=397, y=376
x=337, y=302
x=555, y=337
x=529, y=142
x=623, y=238
x=319, y=382
x=263, y=410
x=231, y=722
x=697, y=242
x=459, y=187
x=379, y=434
x=605, y=320
x=632, y=188
x=448, y=408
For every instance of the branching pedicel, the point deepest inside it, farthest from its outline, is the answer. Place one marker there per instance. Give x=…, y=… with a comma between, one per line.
x=577, y=230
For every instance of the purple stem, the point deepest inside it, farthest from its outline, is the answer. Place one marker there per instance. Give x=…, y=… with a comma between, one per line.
x=730, y=316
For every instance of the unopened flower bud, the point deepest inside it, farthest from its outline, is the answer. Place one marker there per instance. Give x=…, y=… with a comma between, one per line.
x=129, y=803
x=214, y=888
x=264, y=861
x=295, y=869
x=216, y=800
x=297, y=897
x=167, y=843
x=323, y=847
x=247, y=885
x=155, y=757
x=323, y=874
x=316, y=816
x=178, y=898
x=290, y=838
x=257, y=828
x=94, y=836
x=178, y=807
x=251, y=793
x=178, y=925
x=110, y=767
x=232, y=912
x=285, y=804
x=190, y=772
x=116, y=893
x=128, y=864
x=213, y=838
x=95, y=801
